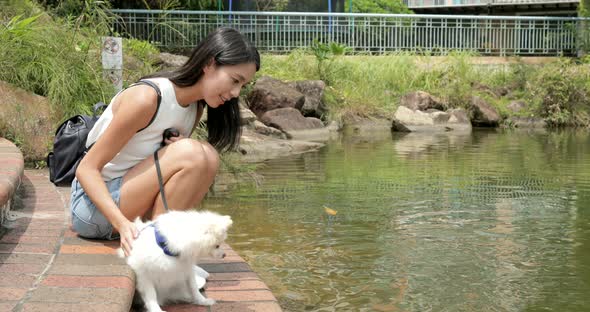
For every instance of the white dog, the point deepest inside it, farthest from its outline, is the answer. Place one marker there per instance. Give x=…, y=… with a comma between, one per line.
x=166, y=251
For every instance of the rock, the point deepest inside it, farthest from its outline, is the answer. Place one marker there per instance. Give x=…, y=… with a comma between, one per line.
x=516, y=106
x=407, y=116
x=408, y=120
x=313, y=90
x=421, y=100
x=458, y=116
x=313, y=135
x=398, y=126
x=261, y=128
x=526, y=122
x=334, y=126
x=171, y=61
x=495, y=92
x=501, y=91
x=269, y=94
x=28, y=118
x=368, y=130
x=483, y=114
x=439, y=117
x=246, y=114
x=287, y=119
x=255, y=147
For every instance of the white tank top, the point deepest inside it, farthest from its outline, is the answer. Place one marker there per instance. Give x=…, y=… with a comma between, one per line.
x=145, y=142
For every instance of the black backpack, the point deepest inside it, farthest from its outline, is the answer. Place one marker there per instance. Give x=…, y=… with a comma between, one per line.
x=69, y=144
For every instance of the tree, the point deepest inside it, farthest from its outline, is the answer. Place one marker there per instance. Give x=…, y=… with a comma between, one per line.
x=315, y=5
x=378, y=6
x=584, y=8
x=270, y=5
x=197, y=5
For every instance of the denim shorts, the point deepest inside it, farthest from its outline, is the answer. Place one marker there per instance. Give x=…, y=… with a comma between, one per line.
x=87, y=220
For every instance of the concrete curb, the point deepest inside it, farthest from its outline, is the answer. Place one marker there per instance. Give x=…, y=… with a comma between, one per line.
x=11, y=171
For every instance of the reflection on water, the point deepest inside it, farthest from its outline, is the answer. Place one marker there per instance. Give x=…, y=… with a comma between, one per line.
x=484, y=221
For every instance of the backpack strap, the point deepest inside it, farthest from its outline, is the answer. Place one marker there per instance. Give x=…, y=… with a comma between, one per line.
x=155, y=86
x=101, y=105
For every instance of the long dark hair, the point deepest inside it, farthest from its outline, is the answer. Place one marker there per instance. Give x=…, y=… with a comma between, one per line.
x=225, y=46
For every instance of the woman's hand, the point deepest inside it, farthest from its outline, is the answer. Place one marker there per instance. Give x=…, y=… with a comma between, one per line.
x=173, y=139
x=128, y=233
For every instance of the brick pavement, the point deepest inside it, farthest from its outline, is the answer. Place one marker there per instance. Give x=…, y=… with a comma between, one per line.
x=44, y=266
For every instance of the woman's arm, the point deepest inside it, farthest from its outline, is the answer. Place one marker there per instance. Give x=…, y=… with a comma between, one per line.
x=132, y=110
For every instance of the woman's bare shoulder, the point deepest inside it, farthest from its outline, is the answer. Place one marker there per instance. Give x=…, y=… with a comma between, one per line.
x=140, y=97
x=136, y=105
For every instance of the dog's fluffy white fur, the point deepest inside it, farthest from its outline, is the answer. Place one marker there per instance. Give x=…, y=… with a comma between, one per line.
x=161, y=278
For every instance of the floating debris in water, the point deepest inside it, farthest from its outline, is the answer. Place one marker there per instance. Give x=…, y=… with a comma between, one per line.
x=330, y=211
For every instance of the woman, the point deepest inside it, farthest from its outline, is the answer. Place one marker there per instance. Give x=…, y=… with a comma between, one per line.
x=117, y=182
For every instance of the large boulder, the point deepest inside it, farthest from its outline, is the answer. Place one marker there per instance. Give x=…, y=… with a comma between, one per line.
x=255, y=147
x=421, y=100
x=313, y=90
x=408, y=120
x=28, y=119
x=483, y=114
x=287, y=119
x=269, y=94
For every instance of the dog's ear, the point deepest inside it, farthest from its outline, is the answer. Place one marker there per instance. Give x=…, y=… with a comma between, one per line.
x=220, y=228
x=227, y=221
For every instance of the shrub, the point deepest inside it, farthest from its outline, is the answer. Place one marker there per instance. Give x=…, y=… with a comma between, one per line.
x=44, y=56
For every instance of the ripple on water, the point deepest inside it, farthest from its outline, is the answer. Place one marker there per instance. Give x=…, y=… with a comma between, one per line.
x=485, y=222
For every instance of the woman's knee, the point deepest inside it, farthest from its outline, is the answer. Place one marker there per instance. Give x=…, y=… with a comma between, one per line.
x=213, y=159
x=194, y=155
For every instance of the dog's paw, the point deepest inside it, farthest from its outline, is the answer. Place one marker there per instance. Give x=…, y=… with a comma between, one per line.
x=200, y=282
x=200, y=272
x=206, y=302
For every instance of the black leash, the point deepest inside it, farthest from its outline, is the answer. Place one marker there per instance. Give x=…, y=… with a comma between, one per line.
x=168, y=133
x=160, y=180
x=161, y=239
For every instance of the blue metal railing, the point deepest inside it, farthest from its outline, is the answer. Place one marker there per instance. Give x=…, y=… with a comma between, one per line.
x=364, y=33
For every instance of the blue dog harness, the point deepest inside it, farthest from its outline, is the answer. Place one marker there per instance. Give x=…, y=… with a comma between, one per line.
x=161, y=241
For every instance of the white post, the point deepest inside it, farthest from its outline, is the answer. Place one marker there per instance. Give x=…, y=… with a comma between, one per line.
x=112, y=61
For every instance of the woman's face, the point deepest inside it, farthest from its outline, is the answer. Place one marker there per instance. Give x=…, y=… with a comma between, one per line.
x=224, y=82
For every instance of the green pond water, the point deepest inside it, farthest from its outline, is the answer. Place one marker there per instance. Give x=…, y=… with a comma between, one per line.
x=486, y=221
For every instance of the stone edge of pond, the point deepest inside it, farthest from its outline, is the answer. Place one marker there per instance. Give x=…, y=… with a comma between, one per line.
x=47, y=267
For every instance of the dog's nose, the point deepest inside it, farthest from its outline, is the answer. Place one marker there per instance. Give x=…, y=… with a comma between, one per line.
x=223, y=256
